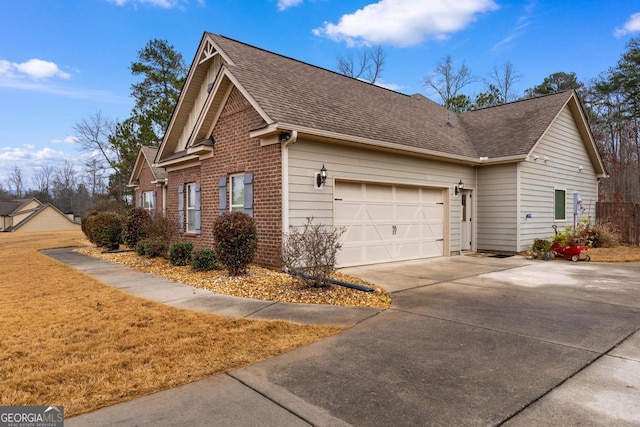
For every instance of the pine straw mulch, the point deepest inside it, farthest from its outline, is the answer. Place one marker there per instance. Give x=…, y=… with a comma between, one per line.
x=258, y=283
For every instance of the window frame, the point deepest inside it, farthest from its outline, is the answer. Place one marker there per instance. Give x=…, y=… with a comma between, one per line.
x=240, y=178
x=190, y=193
x=555, y=204
x=151, y=200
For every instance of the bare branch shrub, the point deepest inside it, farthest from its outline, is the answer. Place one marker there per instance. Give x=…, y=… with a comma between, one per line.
x=312, y=249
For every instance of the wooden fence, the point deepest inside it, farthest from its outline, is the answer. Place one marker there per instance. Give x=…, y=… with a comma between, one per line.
x=625, y=216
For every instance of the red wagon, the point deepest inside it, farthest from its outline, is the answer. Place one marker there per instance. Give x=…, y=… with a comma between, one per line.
x=574, y=253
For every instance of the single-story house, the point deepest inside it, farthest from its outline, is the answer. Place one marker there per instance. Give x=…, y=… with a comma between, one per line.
x=149, y=182
x=29, y=215
x=283, y=140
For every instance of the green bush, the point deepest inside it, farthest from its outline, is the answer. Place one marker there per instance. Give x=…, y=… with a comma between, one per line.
x=180, y=253
x=204, y=259
x=136, y=225
x=107, y=230
x=87, y=225
x=236, y=241
x=152, y=248
x=141, y=247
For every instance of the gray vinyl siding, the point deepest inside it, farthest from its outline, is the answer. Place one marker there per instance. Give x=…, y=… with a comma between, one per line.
x=496, y=203
x=365, y=165
x=565, y=152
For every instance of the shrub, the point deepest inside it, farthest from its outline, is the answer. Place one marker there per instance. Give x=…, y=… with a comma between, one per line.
x=152, y=248
x=204, y=259
x=87, y=225
x=236, y=241
x=312, y=249
x=107, y=230
x=135, y=226
x=163, y=228
x=180, y=253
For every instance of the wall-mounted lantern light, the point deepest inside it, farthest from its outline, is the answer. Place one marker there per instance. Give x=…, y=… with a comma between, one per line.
x=458, y=188
x=321, y=178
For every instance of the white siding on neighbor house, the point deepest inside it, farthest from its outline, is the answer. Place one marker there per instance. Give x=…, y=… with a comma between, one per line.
x=565, y=152
x=496, y=204
x=200, y=101
x=366, y=165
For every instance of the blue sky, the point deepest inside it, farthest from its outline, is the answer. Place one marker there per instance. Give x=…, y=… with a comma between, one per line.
x=64, y=60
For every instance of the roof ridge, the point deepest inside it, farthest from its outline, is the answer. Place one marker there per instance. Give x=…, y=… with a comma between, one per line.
x=546, y=95
x=313, y=65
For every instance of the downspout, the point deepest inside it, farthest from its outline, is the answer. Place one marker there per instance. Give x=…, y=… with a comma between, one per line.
x=164, y=197
x=518, y=208
x=285, y=179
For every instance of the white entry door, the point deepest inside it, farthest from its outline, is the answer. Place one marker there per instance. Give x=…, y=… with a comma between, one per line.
x=388, y=222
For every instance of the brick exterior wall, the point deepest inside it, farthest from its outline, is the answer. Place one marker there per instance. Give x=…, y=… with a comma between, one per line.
x=145, y=178
x=235, y=152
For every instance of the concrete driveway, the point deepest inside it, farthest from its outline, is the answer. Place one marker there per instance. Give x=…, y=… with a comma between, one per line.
x=468, y=341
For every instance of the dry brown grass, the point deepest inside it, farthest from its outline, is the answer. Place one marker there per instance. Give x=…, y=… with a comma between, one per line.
x=67, y=339
x=258, y=283
x=617, y=254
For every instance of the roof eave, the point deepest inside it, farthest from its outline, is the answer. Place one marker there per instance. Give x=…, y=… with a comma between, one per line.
x=275, y=128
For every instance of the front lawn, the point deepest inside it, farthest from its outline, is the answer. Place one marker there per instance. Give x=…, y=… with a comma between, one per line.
x=68, y=339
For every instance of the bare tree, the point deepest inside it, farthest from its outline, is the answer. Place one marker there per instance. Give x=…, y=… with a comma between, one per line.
x=93, y=133
x=367, y=65
x=504, y=78
x=15, y=181
x=64, y=186
x=94, y=175
x=42, y=179
x=96, y=135
x=448, y=82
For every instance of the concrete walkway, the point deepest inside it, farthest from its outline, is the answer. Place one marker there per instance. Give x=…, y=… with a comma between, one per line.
x=468, y=341
x=184, y=296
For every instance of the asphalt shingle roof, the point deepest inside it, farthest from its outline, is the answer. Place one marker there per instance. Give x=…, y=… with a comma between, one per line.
x=150, y=155
x=512, y=129
x=296, y=93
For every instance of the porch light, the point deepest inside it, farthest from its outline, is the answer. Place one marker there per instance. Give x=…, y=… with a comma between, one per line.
x=458, y=187
x=321, y=178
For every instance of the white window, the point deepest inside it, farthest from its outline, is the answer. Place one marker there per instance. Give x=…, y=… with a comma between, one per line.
x=192, y=207
x=236, y=195
x=149, y=200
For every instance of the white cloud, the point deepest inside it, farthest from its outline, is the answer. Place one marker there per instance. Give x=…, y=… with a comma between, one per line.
x=387, y=85
x=66, y=140
x=166, y=4
x=286, y=4
x=520, y=27
x=631, y=26
x=405, y=22
x=36, y=69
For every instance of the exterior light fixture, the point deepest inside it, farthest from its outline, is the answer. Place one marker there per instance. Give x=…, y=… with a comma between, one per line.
x=321, y=178
x=458, y=188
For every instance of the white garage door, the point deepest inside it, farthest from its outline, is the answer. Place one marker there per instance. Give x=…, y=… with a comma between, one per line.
x=388, y=222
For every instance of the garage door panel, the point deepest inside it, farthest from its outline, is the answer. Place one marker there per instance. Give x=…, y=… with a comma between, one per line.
x=388, y=223
x=378, y=212
x=378, y=232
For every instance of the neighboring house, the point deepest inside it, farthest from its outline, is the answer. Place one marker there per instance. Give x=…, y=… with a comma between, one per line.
x=28, y=215
x=149, y=182
x=255, y=131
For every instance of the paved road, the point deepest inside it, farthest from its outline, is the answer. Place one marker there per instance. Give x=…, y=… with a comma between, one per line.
x=469, y=341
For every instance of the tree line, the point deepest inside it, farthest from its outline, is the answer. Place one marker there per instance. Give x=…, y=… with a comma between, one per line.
x=611, y=102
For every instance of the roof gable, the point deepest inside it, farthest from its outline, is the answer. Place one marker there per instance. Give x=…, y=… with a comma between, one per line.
x=146, y=157
x=293, y=95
